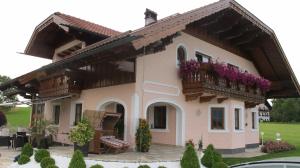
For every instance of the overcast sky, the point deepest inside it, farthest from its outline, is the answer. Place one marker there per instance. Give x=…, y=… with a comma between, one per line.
x=19, y=18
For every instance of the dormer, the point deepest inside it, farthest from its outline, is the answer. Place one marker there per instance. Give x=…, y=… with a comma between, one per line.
x=60, y=35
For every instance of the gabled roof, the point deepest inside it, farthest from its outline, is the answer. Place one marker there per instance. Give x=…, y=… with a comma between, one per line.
x=86, y=25
x=58, y=27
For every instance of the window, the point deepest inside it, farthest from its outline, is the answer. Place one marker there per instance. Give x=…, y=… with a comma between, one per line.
x=202, y=57
x=233, y=66
x=238, y=119
x=56, y=112
x=160, y=117
x=181, y=54
x=254, y=122
x=78, y=113
x=217, y=118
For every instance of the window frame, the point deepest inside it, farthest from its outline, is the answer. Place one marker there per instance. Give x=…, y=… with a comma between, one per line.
x=151, y=119
x=241, y=119
x=54, y=113
x=75, y=123
x=254, y=120
x=186, y=53
x=202, y=55
x=225, y=118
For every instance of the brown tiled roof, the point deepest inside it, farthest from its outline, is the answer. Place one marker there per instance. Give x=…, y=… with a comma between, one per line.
x=86, y=25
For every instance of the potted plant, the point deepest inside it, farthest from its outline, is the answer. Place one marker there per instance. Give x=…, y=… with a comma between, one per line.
x=81, y=135
x=41, y=133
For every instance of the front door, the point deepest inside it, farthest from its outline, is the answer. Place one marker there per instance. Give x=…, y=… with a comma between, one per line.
x=120, y=124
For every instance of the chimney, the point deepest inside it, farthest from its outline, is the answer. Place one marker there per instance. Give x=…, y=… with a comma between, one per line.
x=150, y=17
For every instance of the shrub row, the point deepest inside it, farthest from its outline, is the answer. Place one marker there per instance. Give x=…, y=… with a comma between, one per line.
x=276, y=146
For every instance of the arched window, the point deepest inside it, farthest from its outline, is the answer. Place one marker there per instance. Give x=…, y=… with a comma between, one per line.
x=181, y=54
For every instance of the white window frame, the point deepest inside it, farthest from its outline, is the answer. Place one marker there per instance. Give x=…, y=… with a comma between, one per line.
x=186, y=53
x=241, y=118
x=150, y=115
x=204, y=54
x=225, y=118
x=255, y=121
x=73, y=111
x=53, y=115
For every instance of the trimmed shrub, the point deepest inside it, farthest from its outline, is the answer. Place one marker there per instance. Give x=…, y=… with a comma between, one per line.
x=27, y=150
x=162, y=167
x=3, y=120
x=77, y=160
x=144, y=166
x=143, y=136
x=210, y=157
x=41, y=154
x=277, y=146
x=52, y=166
x=190, y=158
x=220, y=165
x=23, y=159
x=47, y=161
x=97, y=166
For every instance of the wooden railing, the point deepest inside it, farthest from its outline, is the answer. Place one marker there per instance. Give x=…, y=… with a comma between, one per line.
x=59, y=86
x=194, y=85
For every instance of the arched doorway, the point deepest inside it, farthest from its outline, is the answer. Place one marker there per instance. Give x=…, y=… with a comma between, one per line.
x=116, y=107
x=166, y=121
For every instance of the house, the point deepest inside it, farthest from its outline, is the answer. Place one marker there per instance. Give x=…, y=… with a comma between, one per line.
x=264, y=111
x=135, y=73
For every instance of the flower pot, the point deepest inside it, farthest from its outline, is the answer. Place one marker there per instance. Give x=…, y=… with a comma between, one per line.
x=84, y=149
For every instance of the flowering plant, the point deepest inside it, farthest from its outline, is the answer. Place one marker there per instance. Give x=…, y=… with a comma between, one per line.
x=229, y=73
x=189, y=67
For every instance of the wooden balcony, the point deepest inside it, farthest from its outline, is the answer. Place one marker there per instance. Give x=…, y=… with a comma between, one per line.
x=206, y=86
x=60, y=85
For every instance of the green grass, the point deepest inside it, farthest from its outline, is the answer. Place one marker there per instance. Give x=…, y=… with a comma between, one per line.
x=290, y=132
x=18, y=117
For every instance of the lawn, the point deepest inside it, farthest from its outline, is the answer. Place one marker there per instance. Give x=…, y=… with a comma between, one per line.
x=289, y=132
x=18, y=117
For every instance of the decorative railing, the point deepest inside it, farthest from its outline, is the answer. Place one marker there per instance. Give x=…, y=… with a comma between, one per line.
x=198, y=79
x=59, y=86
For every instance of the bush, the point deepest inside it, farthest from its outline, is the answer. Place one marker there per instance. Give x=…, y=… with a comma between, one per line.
x=27, y=150
x=190, y=158
x=52, y=166
x=23, y=159
x=143, y=136
x=3, y=120
x=210, y=157
x=97, y=166
x=220, y=165
x=162, y=167
x=77, y=160
x=82, y=134
x=144, y=166
x=276, y=146
x=41, y=154
x=47, y=161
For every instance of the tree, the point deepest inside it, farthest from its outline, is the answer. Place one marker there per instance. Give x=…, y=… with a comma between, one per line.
x=286, y=110
x=3, y=98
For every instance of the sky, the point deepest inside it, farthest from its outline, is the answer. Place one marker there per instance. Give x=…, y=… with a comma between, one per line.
x=19, y=18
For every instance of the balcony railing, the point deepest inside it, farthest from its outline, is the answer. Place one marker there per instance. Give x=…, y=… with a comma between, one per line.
x=59, y=86
x=197, y=84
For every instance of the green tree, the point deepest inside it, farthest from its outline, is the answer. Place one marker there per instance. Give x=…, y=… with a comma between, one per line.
x=286, y=110
x=3, y=98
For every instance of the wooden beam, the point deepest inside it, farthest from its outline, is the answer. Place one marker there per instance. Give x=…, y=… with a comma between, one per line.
x=237, y=31
x=250, y=104
x=246, y=38
x=192, y=97
x=221, y=99
x=203, y=99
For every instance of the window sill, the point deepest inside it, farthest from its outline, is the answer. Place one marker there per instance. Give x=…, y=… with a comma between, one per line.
x=239, y=130
x=254, y=130
x=218, y=130
x=159, y=130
